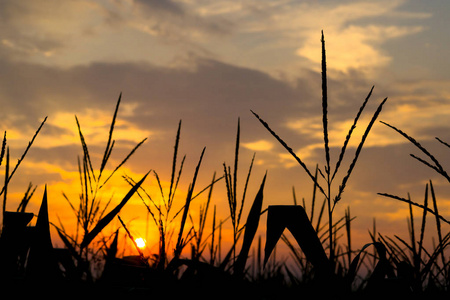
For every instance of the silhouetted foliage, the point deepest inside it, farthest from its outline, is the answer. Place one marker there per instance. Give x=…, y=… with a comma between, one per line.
x=29, y=264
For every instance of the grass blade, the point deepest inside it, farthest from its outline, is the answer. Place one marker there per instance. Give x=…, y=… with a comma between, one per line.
x=161, y=190
x=349, y=240
x=289, y=149
x=415, y=204
x=124, y=160
x=174, y=165
x=412, y=229
x=231, y=201
x=5, y=187
x=196, y=195
x=442, y=142
x=236, y=160
x=24, y=153
x=313, y=200
x=131, y=238
x=347, y=138
x=2, y=153
x=110, y=143
x=422, y=228
x=245, y=188
x=69, y=245
x=325, y=107
x=26, y=198
x=438, y=224
x=358, y=151
x=250, y=229
x=437, y=166
x=85, y=148
x=180, y=244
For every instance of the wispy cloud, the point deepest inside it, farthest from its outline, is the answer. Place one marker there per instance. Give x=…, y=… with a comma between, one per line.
x=283, y=33
x=355, y=31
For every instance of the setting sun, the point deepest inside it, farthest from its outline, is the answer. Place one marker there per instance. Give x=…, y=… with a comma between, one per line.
x=140, y=242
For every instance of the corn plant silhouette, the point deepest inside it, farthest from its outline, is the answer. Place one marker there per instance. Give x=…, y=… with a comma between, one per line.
x=91, y=211
x=161, y=213
x=4, y=155
x=419, y=268
x=421, y=264
x=236, y=207
x=15, y=234
x=164, y=213
x=297, y=221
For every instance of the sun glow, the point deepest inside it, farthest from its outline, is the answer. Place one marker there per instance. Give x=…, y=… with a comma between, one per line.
x=140, y=242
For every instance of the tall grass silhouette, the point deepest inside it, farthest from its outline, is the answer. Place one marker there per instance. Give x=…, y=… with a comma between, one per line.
x=90, y=261
x=15, y=241
x=298, y=223
x=90, y=212
x=423, y=269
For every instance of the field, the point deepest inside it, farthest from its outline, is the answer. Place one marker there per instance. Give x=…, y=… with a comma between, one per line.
x=191, y=260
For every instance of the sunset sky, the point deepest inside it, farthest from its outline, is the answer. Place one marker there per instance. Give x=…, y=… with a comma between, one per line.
x=208, y=63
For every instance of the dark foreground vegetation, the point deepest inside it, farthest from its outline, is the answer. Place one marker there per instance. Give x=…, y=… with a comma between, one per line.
x=195, y=264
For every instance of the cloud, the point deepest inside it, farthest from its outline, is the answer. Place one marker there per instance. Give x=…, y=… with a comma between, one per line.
x=208, y=99
x=161, y=6
x=95, y=125
x=355, y=32
x=173, y=22
x=285, y=35
x=220, y=8
x=355, y=47
x=40, y=29
x=261, y=145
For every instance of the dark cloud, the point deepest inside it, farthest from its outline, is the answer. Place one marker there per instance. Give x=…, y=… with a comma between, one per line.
x=215, y=93
x=172, y=21
x=162, y=5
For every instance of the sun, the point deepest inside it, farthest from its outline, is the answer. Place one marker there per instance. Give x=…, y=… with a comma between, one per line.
x=140, y=242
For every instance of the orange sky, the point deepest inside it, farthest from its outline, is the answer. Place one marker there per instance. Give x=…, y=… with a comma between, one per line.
x=209, y=63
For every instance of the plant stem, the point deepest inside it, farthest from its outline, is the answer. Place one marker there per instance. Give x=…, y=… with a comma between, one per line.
x=327, y=148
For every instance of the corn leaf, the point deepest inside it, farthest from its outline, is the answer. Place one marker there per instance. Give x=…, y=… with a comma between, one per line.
x=294, y=218
x=108, y=218
x=250, y=228
x=42, y=264
x=381, y=249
